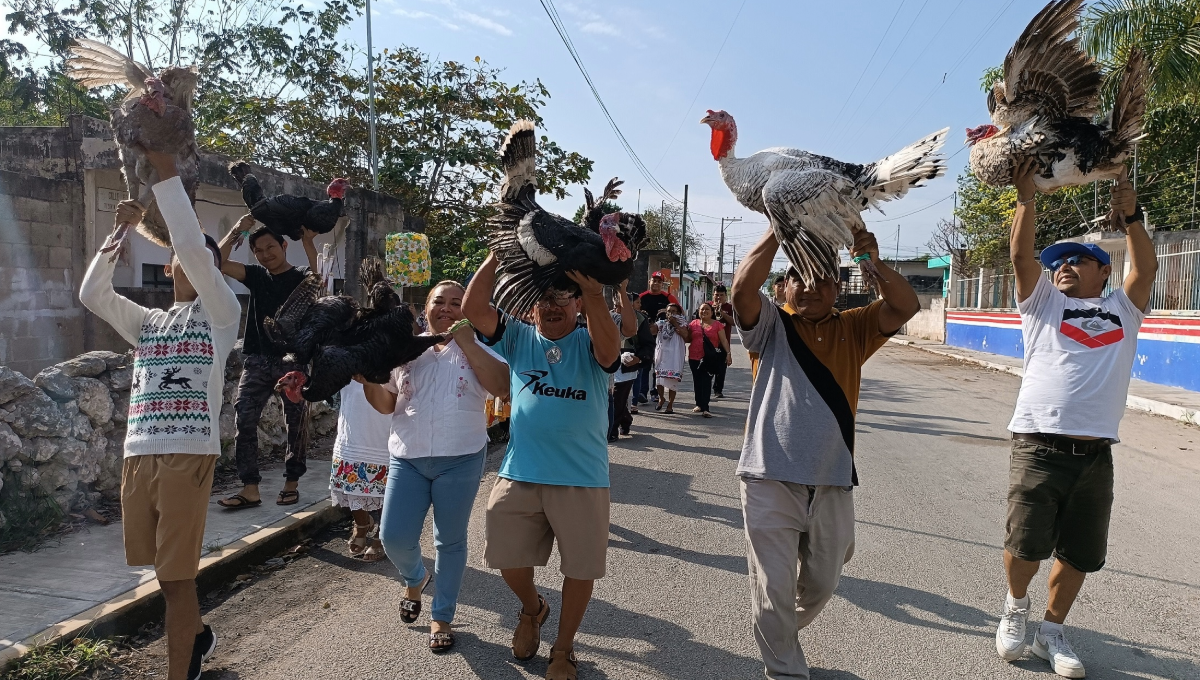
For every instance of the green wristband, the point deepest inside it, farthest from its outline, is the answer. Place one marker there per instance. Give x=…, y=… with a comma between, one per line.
x=860, y=258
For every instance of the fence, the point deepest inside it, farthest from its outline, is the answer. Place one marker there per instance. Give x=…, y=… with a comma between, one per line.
x=1176, y=288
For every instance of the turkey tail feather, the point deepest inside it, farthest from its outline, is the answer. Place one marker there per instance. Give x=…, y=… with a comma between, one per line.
x=891, y=177
x=1130, y=103
x=371, y=272
x=518, y=157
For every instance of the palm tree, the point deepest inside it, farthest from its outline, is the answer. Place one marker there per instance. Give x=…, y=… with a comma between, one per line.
x=1167, y=31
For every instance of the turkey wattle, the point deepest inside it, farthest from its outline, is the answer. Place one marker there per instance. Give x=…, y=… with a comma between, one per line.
x=535, y=249
x=1045, y=105
x=155, y=115
x=814, y=203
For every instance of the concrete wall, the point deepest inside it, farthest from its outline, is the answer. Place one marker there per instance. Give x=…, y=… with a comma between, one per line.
x=41, y=264
x=929, y=323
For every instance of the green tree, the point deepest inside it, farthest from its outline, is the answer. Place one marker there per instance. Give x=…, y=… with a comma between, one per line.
x=664, y=230
x=606, y=208
x=1167, y=31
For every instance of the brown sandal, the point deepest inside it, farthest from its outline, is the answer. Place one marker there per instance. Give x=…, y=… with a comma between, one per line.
x=563, y=665
x=288, y=498
x=528, y=635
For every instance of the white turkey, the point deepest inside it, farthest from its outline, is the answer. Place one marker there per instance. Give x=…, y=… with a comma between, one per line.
x=814, y=203
x=156, y=115
x=1045, y=105
x=535, y=249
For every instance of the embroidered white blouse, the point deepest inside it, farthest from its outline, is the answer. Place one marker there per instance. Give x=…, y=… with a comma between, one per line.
x=439, y=405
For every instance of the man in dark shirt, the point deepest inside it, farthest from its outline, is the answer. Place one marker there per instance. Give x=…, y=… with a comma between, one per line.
x=656, y=299
x=723, y=312
x=270, y=283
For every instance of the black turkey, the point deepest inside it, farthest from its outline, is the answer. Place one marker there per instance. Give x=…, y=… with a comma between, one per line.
x=288, y=215
x=535, y=249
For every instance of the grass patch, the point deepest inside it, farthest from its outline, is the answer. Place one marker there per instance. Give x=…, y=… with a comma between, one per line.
x=29, y=515
x=62, y=661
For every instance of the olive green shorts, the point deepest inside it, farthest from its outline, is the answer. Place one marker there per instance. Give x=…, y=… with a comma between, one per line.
x=1059, y=504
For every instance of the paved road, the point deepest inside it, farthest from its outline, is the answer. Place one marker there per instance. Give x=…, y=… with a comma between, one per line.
x=919, y=600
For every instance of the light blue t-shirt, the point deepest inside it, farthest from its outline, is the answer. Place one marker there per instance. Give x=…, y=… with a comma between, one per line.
x=559, y=407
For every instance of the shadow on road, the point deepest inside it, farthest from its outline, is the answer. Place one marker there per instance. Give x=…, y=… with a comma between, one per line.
x=641, y=543
x=668, y=491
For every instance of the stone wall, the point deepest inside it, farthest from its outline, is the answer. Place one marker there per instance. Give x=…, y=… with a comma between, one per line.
x=929, y=323
x=41, y=264
x=63, y=432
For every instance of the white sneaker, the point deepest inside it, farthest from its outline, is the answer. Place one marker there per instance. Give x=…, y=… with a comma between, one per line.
x=1010, y=634
x=1053, y=647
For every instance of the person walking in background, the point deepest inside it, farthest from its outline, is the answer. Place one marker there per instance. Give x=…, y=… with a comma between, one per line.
x=270, y=282
x=438, y=446
x=780, y=287
x=797, y=464
x=723, y=312
x=656, y=299
x=358, y=476
x=672, y=334
x=619, y=416
x=644, y=351
x=553, y=484
x=173, y=440
x=1079, y=351
x=708, y=349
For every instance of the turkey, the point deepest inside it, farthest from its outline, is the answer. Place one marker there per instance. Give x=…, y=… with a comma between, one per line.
x=1045, y=105
x=287, y=215
x=535, y=249
x=341, y=339
x=814, y=203
x=155, y=115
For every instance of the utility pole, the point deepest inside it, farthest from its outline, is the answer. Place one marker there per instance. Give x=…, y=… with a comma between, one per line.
x=897, y=244
x=721, y=253
x=371, y=103
x=734, y=270
x=1195, y=178
x=639, y=210
x=683, y=239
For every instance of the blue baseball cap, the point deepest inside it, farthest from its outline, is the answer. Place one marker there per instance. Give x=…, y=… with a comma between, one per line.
x=1068, y=248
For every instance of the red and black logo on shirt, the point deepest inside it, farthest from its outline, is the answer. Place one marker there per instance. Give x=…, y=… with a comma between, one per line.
x=1092, y=327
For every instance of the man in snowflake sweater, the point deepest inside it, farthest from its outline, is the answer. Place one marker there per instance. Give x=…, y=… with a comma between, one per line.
x=173, y=440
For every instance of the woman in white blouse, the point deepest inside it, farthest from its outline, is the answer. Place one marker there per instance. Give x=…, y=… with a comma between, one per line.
x=438, y=444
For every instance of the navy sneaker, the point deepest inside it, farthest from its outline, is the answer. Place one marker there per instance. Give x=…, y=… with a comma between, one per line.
x=205, y=645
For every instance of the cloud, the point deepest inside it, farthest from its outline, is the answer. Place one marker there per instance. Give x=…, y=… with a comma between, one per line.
x=601, y=28
x=460, y=15
x=483, y=22
x=626, y=23
x=418, y=16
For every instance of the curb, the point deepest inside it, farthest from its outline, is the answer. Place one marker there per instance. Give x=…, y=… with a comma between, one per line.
x=1133, y=403
x=127, y=612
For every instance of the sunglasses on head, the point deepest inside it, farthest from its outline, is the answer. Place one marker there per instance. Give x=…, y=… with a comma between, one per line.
x=1073, y=260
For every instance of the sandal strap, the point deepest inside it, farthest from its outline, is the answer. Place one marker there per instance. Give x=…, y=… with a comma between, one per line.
x=407, y=605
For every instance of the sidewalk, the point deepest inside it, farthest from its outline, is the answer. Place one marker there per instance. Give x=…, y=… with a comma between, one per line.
x=81, y=577
x=1172, y=402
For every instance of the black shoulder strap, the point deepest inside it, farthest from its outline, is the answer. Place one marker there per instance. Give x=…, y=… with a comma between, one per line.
x=824, y=383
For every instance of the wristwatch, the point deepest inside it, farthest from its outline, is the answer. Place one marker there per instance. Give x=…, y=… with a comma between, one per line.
x=1137, y=216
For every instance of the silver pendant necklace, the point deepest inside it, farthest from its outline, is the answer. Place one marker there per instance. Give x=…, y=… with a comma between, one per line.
x=554, y=354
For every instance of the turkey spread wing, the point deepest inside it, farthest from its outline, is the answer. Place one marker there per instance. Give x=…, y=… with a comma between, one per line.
x=812, y=213
x=95, y=64
x=1046, y=74
x=528, y=265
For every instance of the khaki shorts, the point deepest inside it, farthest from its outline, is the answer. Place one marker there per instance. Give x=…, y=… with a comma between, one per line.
x=524, y=519
x=164, y=504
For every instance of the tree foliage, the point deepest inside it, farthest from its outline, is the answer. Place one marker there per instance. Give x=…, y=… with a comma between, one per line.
x=278, y=87
x=664, y=231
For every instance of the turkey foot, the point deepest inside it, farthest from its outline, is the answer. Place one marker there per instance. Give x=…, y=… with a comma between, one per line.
x=115, y=243
x=870, y=273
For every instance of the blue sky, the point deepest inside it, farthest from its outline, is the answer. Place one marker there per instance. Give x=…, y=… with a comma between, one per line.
x=855, y=80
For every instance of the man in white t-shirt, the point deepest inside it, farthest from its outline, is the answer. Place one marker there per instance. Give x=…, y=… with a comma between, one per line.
x=1079, y=349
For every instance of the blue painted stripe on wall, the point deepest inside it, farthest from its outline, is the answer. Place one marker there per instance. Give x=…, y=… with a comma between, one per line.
x=1158, y=361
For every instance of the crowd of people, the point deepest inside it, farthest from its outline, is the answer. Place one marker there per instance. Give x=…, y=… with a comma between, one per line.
x=575, y=372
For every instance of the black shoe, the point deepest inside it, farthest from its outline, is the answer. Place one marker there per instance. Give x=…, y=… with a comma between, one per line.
x=613, y=438
x=718, y=395
x=205, y=645
x=625, y=431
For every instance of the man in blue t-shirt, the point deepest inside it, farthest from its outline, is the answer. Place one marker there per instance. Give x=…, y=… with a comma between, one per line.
x=553, y=483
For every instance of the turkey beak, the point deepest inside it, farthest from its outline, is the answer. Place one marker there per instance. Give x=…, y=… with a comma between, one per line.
x=707, y=119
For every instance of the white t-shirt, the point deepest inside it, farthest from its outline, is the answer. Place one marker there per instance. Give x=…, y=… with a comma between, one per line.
x=362, y=433
x=1078, y=357
x=439, y=405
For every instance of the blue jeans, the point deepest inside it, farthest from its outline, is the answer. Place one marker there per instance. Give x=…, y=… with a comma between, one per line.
x=450, y=484
x=641, y=385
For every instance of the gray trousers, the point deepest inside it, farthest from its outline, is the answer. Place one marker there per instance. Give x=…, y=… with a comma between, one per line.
x=799, y=537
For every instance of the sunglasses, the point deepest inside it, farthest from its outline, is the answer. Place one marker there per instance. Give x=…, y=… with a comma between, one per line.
x=1073, y=260
x=556, y=300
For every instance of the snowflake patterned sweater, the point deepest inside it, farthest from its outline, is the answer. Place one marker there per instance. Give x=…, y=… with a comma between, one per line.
x=179, y=356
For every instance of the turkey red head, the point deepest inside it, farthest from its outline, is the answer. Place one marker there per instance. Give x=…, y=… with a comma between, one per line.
x=724, y=133
x=290, y=385
x=154, y=98
x=337, y=188
x=981, y=133
x=610, y=233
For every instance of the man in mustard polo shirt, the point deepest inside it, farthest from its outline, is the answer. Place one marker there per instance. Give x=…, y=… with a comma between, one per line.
x=797, y=463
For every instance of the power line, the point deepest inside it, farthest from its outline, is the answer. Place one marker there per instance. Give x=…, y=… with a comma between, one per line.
x=702, y=84
x=868, y=66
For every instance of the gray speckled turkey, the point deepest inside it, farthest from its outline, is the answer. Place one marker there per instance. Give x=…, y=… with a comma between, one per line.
x=1045, y=106
x=155, y=115
x=814, y=203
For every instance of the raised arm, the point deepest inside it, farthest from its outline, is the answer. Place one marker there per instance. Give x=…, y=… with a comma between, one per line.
x=606, y=340
x=235, y=270
x=490, y=371
x=625, y=309
x=1020, y=243
x=749, y=277
x=97, y=293
x=900, y=301
x=477, y=301
x=1143, y=261
x=310, y=249
x=187, y=240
